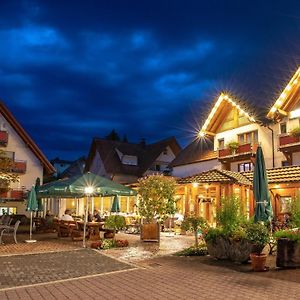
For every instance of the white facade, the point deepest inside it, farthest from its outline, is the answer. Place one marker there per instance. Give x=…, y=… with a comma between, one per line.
x=195, y=168
x=34, y=168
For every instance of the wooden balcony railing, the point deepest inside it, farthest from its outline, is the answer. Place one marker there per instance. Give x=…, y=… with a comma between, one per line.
x=243, y=149
x=3, y=138
x=19, y=166
x=286, y=140
x=16, y=194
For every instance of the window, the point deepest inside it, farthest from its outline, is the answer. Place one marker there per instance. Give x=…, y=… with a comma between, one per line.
x=221, y=144
x=285, y=163
x=285, y=202
x=244, y=167
x=248, y=137
x=283, y=128
x=157, y=167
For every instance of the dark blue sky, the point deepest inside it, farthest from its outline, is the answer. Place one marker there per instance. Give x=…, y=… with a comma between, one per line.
x=73, y=70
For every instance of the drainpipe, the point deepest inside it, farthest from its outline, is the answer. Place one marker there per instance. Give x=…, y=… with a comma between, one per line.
x=273, y=150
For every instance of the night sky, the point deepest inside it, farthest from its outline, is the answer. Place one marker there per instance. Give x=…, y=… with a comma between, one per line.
x=73, y=70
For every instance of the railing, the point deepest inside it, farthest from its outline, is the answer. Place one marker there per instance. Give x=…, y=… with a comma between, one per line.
x=285, y=140
x=19, y=166
x=3, y=138
x=16, y=194
x=241, y=150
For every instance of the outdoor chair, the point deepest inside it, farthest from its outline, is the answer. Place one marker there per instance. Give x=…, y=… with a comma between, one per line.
x=65, y=228
x=10, y=230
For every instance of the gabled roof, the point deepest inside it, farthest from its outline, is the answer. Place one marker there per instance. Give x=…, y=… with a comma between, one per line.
x=216, y=176
x=280, y=175
x=146, y=155
x=196, y=151
x=26, y=138
x=76, y=168
x=287, y=99
x=221, y=108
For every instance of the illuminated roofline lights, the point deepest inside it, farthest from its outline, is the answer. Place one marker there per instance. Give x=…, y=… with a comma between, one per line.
x=283, y=96
x=214, y=109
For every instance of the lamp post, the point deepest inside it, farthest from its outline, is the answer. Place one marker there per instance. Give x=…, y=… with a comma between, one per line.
x=88, y=192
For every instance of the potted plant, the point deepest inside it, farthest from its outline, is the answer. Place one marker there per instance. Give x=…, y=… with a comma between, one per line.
x=258, y=234
x=228, y=240
x=233, y=146
x=296, y=132
x=156, y=198
x=114, y=223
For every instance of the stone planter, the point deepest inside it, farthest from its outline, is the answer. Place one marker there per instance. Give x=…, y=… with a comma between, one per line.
x=226, y=248
x=288, y=253
x=150, y=232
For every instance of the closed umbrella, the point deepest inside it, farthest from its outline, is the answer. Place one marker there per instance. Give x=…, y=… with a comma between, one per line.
x=32, y=206
x=116, y=205
x=263, y=207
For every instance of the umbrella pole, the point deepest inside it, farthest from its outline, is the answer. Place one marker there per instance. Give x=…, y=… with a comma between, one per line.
x=85, y=221
x=30, y=231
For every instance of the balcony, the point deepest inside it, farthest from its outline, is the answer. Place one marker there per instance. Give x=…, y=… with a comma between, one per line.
x=244, y=151
x=3, y=138
x=17, y=194
x=19, y=166
x=289, y=143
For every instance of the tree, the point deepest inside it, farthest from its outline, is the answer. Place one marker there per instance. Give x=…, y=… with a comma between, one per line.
x=195, y=224
x=6, y=175
x=115, y=222
x=125, y=139
x=113, y=136
x=157, y=196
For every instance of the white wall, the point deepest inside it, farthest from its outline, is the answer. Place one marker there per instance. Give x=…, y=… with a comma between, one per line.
x=168, y=157
x=195, y=168
x=97, y=166
x=264, y=138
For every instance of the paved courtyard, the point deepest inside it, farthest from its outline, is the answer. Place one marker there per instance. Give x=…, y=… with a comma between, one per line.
x=61, y=269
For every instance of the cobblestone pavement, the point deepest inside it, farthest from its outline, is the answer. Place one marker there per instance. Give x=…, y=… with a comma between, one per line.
x=167, y=278
x=46, y=267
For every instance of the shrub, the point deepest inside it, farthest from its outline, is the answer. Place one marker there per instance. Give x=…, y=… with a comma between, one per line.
x=96, y=245
x=293, y=235
x=107, y=244
x=229, y=214
x=258, y=234
x=295, y=211
x=115, y=222
x=213, y=233
x=296, y=132
x=194, y=251
x=233, y=146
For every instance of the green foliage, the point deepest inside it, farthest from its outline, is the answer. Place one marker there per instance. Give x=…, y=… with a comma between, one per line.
x=108, y=244
x=258, y=234
x=213, y=233
x=229, y=214
x=293, y=235
x=296, y=132
x=157, y=196
x=201, y=250
x=233, y=146
x=6, y=165
x=295, y=211
x=115, y=222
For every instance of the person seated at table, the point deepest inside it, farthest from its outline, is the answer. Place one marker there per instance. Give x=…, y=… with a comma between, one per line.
x=48, y=218
x=67, y=216
x=97, y=216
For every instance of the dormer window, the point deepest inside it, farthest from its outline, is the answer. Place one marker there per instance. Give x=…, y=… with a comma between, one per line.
x=125, y=159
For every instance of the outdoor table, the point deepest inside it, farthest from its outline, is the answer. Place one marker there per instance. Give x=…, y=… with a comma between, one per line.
x=93, y=229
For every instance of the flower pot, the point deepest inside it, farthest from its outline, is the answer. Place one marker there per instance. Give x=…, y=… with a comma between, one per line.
x=150, y=232
x=258, y=262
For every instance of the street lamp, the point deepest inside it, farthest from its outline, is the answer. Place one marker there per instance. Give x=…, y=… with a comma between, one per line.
x=88, y=192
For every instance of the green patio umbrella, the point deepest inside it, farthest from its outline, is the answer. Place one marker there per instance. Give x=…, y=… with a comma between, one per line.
x=263, y=207
x=32, y=206
x=75, y=187
x=39, y=200
x=116, y=205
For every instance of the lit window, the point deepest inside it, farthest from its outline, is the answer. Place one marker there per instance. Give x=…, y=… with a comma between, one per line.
x=221, y=144
x=245, y=167
x=283, y=128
